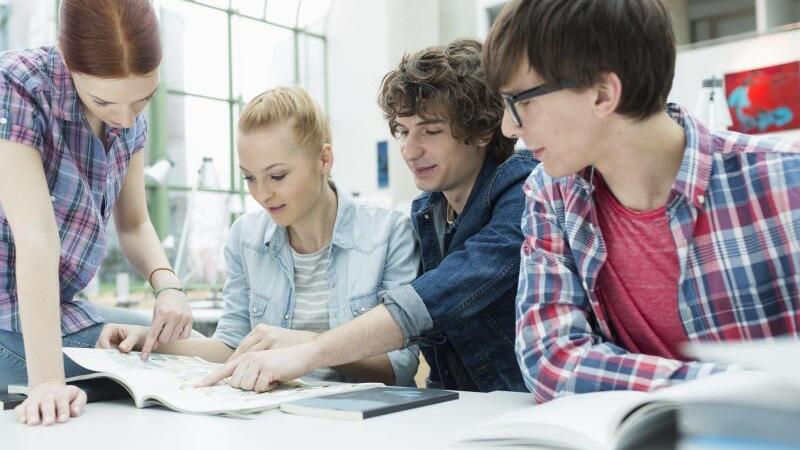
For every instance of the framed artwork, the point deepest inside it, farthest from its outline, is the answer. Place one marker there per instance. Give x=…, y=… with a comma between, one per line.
x=765, y=99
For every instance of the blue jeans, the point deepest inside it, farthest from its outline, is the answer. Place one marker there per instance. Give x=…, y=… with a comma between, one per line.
x=12, y=355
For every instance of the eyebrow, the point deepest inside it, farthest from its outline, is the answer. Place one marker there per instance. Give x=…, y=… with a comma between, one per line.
x=429, y=122
x=265, y=169
x=114, y=103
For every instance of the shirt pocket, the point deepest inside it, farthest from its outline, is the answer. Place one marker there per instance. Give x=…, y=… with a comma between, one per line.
x=257, y=308
x=359, y=304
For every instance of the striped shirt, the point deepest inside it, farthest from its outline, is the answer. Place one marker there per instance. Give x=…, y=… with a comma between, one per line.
x=311, y=299
x=734, y=214
x=40, y=108
x=311, y=291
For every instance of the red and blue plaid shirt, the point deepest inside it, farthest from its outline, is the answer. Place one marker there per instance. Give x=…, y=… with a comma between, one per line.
x=40, y=108
x=734, y=213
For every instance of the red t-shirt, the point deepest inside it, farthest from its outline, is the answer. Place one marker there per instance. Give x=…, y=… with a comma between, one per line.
x=638, y=284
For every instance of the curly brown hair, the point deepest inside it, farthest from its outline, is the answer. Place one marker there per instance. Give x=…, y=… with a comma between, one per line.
x=447, y=82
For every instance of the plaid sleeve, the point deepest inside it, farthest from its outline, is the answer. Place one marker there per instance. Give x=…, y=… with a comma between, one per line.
x=558, y=350
x=21, y=120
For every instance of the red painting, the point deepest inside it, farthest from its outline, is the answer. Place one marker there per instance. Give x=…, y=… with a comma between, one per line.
x=764, y=100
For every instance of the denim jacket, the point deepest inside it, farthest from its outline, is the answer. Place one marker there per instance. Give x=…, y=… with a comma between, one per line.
x=372, y=250
x=464, y=300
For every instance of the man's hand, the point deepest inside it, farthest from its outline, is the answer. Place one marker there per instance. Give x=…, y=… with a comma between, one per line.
x=125, y=338
x=261, y=371
x=172, y=320
x=50, y=402
x=268, y=337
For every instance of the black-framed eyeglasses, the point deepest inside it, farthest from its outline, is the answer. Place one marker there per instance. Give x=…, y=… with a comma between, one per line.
x=543, y=89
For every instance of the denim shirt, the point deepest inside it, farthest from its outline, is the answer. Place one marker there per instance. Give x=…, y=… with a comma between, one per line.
x=372, y=250
x=462, y=306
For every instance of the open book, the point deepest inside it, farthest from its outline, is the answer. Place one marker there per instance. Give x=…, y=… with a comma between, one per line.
x=169, y=380
x=622, y=419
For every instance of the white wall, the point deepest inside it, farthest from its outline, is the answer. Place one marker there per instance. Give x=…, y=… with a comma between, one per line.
x=694, y=65
x=366, y=39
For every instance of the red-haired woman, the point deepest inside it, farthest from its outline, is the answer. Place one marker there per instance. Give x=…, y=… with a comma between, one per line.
x=71, y=135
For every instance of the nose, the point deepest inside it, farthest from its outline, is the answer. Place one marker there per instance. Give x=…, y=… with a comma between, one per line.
x=126, y=117
x=411, y=149
x=508, y=127
x=263, y=193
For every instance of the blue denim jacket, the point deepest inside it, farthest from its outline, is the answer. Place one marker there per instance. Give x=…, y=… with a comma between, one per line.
x=372, y=250
x=462, y=305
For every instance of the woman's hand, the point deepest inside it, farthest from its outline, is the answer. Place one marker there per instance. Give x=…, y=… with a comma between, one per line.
x=172, y=320
x=268, y=337
x=125, y=338
x=50, y=402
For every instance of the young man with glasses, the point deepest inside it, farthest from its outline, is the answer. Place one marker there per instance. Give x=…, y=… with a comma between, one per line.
x=643, y=228
x=460, y=310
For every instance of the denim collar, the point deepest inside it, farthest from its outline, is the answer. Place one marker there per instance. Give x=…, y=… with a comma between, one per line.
x=276, y=237
x=428, y=200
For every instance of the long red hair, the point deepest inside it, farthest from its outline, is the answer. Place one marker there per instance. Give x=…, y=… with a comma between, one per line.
x=109, y=38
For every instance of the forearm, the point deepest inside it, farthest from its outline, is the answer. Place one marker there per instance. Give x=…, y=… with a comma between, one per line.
x=209, y=349
x=375, y=369
x=40, y=314
x=144, y=252
x=556, y=364
x=371, y=335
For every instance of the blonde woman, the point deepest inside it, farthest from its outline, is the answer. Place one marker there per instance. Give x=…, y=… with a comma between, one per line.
x=310, y=260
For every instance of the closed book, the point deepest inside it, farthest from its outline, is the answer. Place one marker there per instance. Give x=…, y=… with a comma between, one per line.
x=10, y=401
x=366, y=403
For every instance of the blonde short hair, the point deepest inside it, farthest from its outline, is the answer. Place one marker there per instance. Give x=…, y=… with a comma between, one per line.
x=288, y=104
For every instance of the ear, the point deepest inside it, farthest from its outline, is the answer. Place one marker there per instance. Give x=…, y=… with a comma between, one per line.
x=608, y=91
x=326, y=159
x=484, y=140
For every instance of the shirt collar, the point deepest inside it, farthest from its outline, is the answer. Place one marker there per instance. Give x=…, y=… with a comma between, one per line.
x=66, y=103
x=695, y=170
x=694, y=174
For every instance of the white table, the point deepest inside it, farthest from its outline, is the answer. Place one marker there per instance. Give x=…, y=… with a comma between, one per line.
x=118, y=425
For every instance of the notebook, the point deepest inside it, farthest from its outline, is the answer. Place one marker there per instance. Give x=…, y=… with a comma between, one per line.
x=366, y=403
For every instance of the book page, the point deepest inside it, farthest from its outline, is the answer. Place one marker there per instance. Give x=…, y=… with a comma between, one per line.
x=171, y=379
x=579, y=422
x=736, y=387
x=777, y=356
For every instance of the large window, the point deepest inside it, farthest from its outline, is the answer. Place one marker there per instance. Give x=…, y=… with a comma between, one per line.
x=218, y=55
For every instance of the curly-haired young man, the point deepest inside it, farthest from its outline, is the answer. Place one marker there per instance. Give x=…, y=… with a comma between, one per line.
x=461, y=307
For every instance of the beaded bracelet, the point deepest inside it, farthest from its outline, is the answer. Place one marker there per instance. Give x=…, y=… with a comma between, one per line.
x=168, y=288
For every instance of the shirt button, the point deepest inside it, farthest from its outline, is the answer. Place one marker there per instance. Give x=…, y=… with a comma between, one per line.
x=53, y=198
x=363, y=309
x=3, y=121
x=701, y=199
x=286, y=317
x=254, y=309
x=427, y=217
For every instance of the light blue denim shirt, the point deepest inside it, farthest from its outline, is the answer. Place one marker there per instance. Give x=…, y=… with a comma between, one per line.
x=373, y=250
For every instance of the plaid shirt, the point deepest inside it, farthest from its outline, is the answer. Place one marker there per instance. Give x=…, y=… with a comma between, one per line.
x=40, y=108
x=734, y=213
